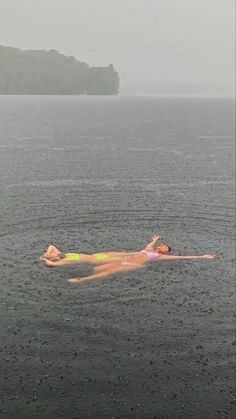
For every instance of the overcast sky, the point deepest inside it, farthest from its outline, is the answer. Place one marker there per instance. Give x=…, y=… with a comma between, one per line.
x=160, y=40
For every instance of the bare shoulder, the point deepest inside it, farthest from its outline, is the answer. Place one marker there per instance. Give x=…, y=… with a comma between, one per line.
x=161, y=256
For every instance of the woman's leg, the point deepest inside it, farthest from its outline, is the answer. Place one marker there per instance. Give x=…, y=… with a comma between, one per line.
x=105, y=267
x=107, y=270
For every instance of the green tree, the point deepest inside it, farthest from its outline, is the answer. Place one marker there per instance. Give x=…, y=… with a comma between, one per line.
x=49, y=72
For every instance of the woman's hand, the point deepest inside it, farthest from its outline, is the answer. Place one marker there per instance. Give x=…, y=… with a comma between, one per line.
x=155, y=237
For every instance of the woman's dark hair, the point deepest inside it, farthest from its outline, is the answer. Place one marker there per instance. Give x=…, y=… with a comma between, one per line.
x=169, y=249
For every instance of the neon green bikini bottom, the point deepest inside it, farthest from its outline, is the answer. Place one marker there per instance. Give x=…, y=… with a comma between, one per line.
x=100, y=255
x=72, y=256
x=76, y=256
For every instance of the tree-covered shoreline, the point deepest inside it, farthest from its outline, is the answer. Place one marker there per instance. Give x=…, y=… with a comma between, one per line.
x=41, y=72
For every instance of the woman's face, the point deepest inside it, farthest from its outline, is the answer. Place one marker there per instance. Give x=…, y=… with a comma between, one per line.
x=163, y=248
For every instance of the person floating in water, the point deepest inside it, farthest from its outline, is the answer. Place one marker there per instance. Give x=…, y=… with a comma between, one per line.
x=114, y=262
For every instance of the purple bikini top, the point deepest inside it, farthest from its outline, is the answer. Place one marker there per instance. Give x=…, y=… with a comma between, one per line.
x=151, y=255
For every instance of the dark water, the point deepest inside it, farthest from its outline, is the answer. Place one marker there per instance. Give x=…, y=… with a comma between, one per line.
x=92, y=174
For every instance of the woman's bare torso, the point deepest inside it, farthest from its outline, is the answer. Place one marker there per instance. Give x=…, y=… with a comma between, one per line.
x=110, y=257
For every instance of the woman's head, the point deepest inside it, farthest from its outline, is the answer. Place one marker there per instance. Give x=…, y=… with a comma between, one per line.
x=163, y=248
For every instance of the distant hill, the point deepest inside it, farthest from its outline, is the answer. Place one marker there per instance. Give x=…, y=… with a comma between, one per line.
x=51, y=73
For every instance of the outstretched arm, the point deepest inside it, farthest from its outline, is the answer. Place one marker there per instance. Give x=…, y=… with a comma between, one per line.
x=150, y=246
x=167, y=257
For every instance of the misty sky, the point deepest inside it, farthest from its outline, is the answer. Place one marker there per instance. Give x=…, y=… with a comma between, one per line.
x=160, y=40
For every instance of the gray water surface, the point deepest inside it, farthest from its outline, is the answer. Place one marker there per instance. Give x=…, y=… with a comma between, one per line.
x=105, y=173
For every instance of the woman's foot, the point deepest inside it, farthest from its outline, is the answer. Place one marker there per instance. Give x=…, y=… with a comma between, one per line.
x=73, y=280
x=51, y=253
